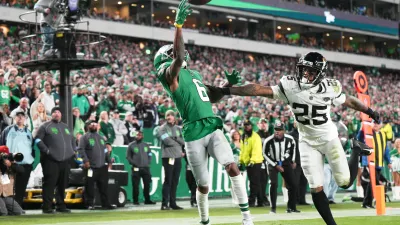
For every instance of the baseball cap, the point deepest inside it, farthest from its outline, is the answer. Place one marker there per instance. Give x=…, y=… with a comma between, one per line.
x=116, y=111
x=169, y=112
x=279, y=126
x=19, y=112
x=263, y=120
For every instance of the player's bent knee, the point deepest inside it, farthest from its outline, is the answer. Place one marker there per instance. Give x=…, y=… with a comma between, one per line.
x=203, y=189
x=232, y=169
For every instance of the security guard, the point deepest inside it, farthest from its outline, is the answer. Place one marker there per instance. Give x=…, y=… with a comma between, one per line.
x=56, y=144
x=94, y=153
x=138, y=155
x=251, y=157
x=280, y=152
x=171, y=146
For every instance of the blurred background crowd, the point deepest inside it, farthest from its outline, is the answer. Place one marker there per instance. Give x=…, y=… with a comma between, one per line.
x=129, y=85
x=282, y=33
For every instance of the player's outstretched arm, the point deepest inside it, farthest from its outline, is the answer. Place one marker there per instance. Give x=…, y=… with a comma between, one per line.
x=358, y=105
x=251, y=90
x=216, y=93
x=179, y=45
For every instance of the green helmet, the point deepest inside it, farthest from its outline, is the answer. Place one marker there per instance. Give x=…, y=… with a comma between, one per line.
x=166, y=54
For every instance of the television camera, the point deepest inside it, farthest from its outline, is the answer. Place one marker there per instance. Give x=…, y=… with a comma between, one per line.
x=6, y=155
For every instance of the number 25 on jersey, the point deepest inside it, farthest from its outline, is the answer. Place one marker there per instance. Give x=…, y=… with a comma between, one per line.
x=317, y=118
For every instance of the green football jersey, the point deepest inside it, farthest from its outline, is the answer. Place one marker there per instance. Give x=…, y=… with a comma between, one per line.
x=4, y=95
x=192, y=102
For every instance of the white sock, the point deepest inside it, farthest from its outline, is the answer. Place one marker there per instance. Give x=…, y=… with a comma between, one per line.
x=394, y=192
x=285, y=194
x=360, y=191
x=202, y=205
x=239, y=188
x=397, y=191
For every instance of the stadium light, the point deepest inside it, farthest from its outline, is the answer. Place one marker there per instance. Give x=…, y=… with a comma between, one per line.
x=230, y=20
x=142, y=6
x=289, y=29
x=173, y=11
x=208, y=23
x=134, y=5
x=231, y=17
x=351, y=38
x=327, y=34
x=119, y=3
x=279, y=27
x=242, y=19
x=253, y=21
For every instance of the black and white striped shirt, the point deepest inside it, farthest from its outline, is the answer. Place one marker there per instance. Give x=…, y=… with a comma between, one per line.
x=275, y=151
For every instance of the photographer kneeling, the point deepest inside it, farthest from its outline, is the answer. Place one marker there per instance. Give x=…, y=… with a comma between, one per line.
x=8, y=169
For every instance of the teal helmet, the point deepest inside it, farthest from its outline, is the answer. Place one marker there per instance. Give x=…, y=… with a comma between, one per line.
x=166, y=54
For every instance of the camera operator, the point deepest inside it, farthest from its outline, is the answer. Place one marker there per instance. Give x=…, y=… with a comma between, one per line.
x=94, y=153
x=18, y=138
x=48, y=20
x=8, y=169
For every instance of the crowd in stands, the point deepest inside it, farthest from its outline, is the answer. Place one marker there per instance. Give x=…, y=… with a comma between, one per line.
x=303, y=40
x=129, y=85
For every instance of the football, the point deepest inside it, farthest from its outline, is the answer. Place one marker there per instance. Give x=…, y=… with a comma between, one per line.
x=199, y=2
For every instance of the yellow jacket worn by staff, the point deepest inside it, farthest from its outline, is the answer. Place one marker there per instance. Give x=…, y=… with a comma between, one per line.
x=251, y=150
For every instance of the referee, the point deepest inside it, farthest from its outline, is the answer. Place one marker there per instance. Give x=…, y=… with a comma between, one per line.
x=279, y=150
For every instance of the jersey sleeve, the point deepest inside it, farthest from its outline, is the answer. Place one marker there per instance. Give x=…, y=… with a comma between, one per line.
x=338, y=97
x=282, y=89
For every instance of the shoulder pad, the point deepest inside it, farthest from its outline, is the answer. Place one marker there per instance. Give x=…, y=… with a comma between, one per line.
x=288, y=83
x=333, y=86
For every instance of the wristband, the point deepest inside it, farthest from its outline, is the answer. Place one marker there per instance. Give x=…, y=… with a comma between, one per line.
x=226, y=91
x=369, y=112
x=178, y=25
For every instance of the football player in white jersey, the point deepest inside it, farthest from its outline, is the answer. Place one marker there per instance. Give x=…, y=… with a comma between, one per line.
x=310, y=96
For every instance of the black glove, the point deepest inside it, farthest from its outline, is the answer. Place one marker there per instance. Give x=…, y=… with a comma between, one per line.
x=374, y=115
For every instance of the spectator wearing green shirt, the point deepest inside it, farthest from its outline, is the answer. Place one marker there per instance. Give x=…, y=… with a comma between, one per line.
x=162, y=109
x=125, y=105
x=81, y=101
x=106, y=128
x=4, y=90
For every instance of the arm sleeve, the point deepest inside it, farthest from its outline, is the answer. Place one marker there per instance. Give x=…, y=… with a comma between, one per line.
x=81, y=149
x=129, y=154
x=256, y=153
x=39, y=140
x=123, y=128
x=266, y=152
x=165, y=138
x=387, y=155
x=293, y=151
x=3, y=137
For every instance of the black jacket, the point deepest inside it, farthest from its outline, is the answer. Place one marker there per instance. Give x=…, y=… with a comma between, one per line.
x=138, y=154
x=55, y=140
x=92, y=149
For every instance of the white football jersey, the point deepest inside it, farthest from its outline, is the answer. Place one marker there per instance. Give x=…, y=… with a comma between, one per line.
x=311, y=107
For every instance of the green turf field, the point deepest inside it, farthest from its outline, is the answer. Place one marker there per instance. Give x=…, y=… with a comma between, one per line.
x=93, y=216
x=386, y=220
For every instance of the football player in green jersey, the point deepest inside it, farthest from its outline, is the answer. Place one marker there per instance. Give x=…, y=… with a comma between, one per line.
x=201, y=128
